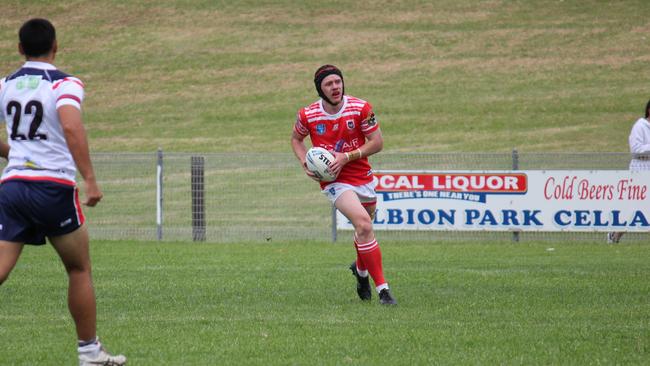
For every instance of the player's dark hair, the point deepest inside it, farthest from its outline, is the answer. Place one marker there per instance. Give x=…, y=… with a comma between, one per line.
x=323, y=72
x=647, y=107
x=37, y=37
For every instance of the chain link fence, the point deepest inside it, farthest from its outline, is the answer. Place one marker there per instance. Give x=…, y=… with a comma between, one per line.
x=238, y=197
x=265, y=197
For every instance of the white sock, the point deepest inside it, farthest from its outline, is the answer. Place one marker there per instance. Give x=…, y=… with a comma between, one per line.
x=381, y=287
x=363, y=273
x=90, y=350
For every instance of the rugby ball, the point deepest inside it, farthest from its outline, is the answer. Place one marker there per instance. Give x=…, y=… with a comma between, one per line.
x=318, y=162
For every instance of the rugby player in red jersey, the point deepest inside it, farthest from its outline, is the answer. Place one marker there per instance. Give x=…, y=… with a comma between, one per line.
x=347, y=127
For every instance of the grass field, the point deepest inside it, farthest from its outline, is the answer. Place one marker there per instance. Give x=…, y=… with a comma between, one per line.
x=448, y=75
x=444, y=76
x=279, y=304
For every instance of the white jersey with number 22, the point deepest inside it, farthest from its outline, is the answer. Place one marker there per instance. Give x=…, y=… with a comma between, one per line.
x=29, y=99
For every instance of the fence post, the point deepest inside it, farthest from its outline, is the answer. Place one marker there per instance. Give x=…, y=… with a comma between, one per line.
x=198, y=203
x=334, y=232
x=515, y=166
x=159, y=194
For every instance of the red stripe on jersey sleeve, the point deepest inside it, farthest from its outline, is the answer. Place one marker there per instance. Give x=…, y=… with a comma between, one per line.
x=69, y=96
x=300, y=127
x=57, y=84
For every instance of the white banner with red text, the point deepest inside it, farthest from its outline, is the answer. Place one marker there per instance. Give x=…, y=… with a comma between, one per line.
x=534, y=200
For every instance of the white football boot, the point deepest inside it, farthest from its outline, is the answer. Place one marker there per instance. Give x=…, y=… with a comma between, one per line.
x=96, y=354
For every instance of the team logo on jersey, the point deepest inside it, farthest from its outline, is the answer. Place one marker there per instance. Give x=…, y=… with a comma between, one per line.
x=320, y=128
x=335, y=127
x=28, y=81
x=350, y=124
x=371, y=121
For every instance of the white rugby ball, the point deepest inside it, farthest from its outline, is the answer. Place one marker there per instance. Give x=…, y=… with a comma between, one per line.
x=318, y=162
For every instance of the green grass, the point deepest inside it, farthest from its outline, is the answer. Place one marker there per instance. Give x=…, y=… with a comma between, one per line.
x=290, y=303
x=444, y=76
x=217, y=76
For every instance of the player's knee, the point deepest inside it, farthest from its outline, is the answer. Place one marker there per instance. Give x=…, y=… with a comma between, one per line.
x=363, y=228
x=77, y=268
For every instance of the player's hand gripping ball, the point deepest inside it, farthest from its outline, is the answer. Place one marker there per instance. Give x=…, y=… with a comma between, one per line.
x=318, y=162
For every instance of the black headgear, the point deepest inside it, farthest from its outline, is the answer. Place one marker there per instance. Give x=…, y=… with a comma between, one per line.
x=323, y=72
x=647, y=108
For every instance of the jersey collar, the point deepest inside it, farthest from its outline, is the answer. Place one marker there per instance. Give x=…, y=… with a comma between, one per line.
x=345, y=102
x=39, y=65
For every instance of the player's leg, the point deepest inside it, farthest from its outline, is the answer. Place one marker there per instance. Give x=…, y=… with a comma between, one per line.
x=360, y=269
x=367, y=247
x=12, y=228
x=74, y=253
x=9, y=253
x=73, y=249
x=370, y=208
x=349, y=205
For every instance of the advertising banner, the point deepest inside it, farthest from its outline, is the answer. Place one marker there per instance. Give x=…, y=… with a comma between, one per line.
x=534, y=200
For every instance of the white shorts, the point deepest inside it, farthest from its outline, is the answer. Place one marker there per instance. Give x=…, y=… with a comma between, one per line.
x=366, y=192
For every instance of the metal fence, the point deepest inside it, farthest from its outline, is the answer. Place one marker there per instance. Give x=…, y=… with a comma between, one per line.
x=265, y=197
x=211, y=197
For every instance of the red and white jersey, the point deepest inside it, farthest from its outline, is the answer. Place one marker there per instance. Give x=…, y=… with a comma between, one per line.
x=344, y=131
x=29, y=99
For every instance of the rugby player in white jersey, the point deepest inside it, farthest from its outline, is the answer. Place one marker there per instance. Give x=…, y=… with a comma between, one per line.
x=38, y=197
x=640, y=148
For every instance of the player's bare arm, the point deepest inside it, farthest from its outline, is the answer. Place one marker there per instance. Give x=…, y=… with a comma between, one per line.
x=374, y=144
x=300, y=150
x=75, y=136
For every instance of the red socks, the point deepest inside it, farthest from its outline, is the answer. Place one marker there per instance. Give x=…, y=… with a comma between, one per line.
x=369, y=258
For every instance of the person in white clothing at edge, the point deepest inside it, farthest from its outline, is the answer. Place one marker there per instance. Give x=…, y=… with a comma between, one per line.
x=640, y=148
x=47, y=143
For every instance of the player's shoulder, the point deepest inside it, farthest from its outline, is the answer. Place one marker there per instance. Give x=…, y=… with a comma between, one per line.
x=357, y=106
x=356, y=102
x=14, y=74
x=315, y=106
x=60, y=78
x=311, y=110
x=48, y=73
x=640, y=125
